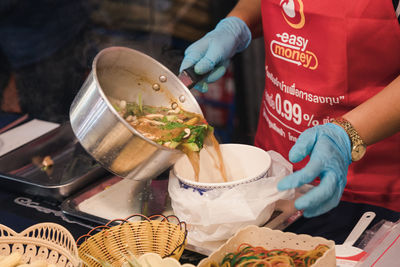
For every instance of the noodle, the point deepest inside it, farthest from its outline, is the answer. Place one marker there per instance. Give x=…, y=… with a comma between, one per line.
x=248, y=256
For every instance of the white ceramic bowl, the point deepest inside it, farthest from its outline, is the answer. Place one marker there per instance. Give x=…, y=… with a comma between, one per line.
x=243, y=163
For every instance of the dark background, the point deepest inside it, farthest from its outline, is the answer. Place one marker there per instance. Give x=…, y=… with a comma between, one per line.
x=55, y=60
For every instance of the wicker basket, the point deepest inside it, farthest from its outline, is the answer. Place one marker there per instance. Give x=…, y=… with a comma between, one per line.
x=165, y=236
x=44, y=241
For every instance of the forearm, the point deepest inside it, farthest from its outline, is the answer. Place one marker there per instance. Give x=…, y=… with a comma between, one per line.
x=250, y=12
x=379, y=116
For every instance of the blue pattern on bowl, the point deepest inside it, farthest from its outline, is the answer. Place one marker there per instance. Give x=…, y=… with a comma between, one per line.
x=201, y=189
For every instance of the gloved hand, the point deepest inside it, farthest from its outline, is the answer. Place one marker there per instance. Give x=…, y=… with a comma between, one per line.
x=231, y=35
x=330, y=156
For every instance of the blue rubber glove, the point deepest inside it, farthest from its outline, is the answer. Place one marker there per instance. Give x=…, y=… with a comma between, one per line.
x=231, y=35
x=330, y=156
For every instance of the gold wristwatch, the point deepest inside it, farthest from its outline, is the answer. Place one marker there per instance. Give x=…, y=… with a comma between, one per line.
x=358, y=147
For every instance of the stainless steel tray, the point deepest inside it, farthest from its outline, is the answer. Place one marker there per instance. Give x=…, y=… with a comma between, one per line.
x=73, y=168
x=115, y=197
x=118, y=198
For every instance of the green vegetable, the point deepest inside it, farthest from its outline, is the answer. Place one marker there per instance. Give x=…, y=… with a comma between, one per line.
x=131, y=109
x=117, y=108
x=173, y=125
x=140, y=102
x=171, y=118
x=173, y=144
x=44, y=168
x=149, y=110
x=179, y=137
x=197, y=134
x=191, y=146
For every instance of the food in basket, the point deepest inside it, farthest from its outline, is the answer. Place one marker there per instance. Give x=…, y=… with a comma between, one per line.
x=248, y=255
x=146, y=260
x=42, y=244
x=15, y=260
x=114, y=245
x=174, y=128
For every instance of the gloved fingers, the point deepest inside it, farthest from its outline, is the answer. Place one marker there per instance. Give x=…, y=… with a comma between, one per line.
x=218, y=72
x=303, y=176
x=205, y=65
x=214, y=76
x=304, y=145
x=215, y=55
x=201, y=87
x=324, y=206
x=326, y=190
x=194, y=53
x=189, y=60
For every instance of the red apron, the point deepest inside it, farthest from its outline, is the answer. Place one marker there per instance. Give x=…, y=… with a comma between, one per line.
x=323, y=58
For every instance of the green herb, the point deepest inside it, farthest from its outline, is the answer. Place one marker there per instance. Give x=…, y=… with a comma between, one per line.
x=173, y=144
x=170, y=118
x=173, y=125
x=117, y=108
x=191, y=146
x=179, y=137
x=197, y=135
x=149, y=110
x=131, y=109
x=140, y=102
x=44, y=168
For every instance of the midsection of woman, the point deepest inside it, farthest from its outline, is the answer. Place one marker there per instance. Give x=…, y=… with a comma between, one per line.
x=322, y=60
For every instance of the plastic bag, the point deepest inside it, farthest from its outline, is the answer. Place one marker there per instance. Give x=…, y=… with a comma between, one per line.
x=217, y=214
x=381, y=245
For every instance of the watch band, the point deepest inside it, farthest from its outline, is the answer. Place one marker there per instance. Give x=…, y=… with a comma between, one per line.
x=358, y=147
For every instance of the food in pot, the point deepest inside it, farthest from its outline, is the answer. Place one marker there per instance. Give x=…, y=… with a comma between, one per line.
x=248, y=255
x=172, y=128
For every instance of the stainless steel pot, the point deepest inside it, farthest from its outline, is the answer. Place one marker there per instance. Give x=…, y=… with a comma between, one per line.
x=120, y=73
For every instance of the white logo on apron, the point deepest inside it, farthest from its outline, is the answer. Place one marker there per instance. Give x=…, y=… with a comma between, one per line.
x=288, y=8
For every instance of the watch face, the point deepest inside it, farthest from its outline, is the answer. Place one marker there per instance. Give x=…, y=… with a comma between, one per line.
x=358, y=152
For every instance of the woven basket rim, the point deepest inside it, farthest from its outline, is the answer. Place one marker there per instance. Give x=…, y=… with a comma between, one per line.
x=106, y=226
x=27, y=237
x=85, y=241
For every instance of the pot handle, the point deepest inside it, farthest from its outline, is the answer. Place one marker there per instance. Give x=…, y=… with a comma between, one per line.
x=190, y=78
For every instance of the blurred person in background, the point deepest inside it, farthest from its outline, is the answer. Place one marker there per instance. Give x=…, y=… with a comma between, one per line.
x=47, y=47
x=159, y=28
x=44, y=48
x=332, y=88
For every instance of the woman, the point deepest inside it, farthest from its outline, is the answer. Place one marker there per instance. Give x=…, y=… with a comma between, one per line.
x=324, y=61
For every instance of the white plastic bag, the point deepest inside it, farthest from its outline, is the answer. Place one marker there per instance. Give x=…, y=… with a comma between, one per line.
x=217, y=214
